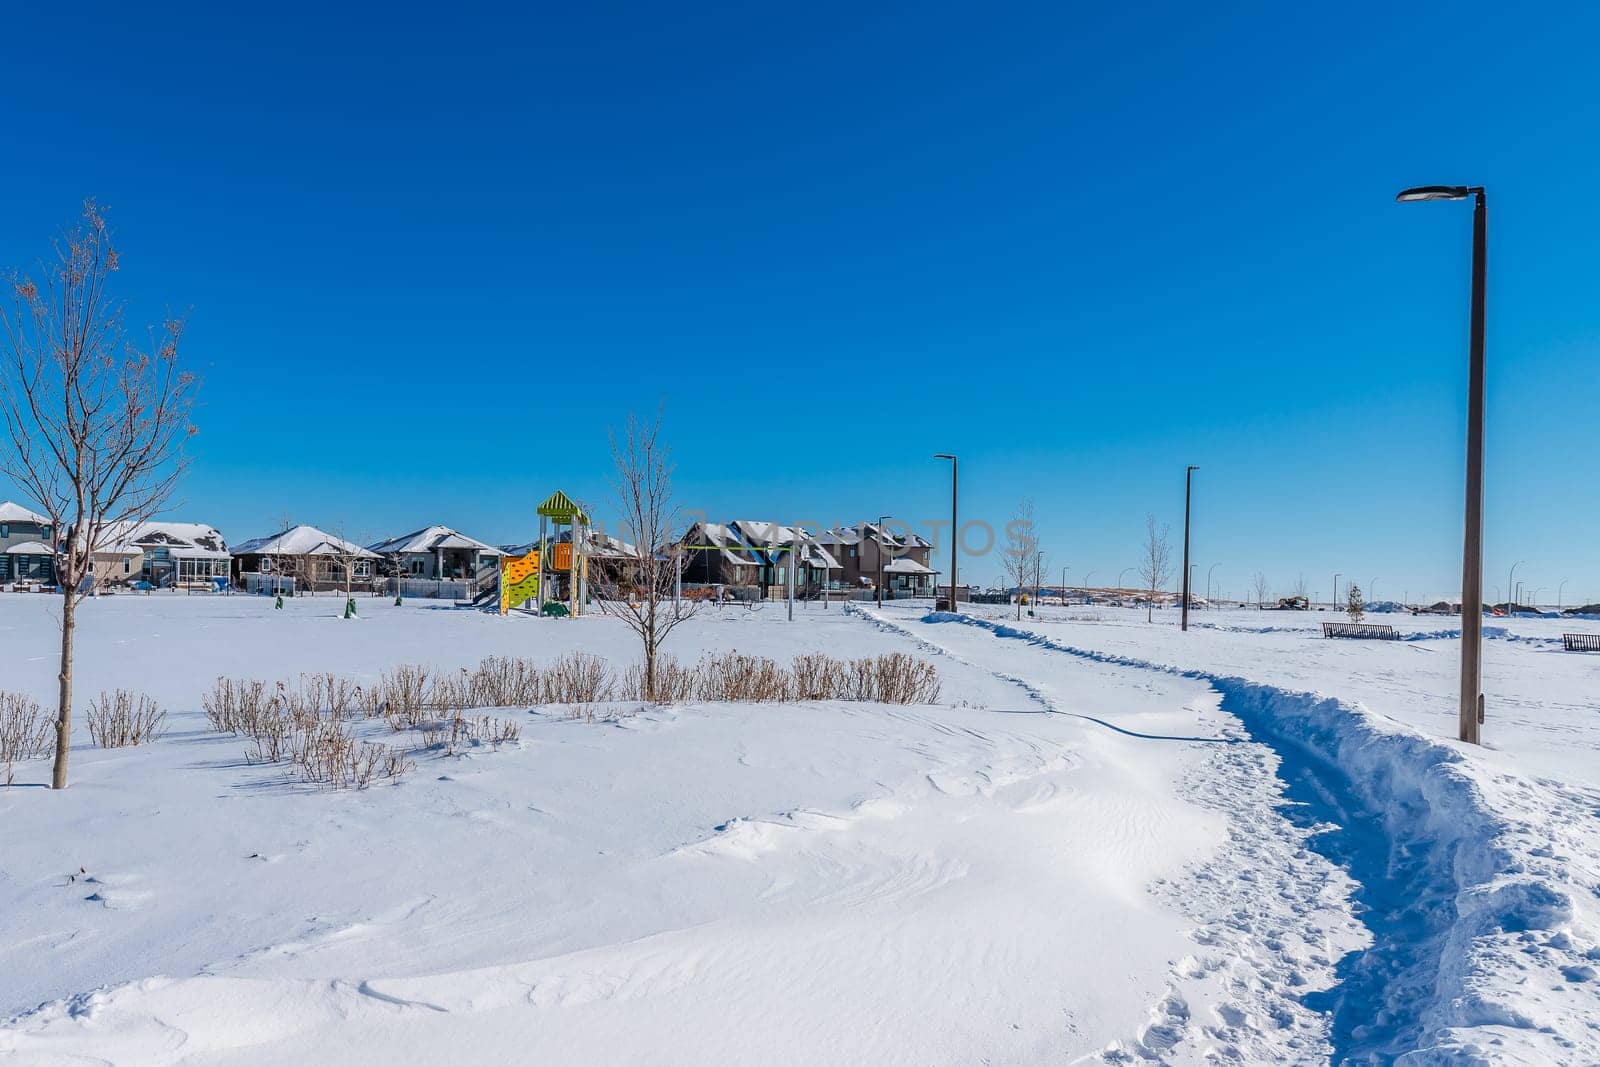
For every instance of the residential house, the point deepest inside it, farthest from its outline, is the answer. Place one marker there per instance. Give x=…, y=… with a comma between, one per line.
x=437, y=552
x=303, y=559
x=27, y=546
x=749, y=552
x=904, y=558
x=164, y=554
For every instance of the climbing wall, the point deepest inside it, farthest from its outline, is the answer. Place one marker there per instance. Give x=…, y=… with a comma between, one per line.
x=519, y=580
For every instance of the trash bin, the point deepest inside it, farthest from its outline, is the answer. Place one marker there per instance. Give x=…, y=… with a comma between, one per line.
x=941, y=604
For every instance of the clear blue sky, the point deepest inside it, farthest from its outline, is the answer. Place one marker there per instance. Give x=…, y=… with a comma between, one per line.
x=1081, y=248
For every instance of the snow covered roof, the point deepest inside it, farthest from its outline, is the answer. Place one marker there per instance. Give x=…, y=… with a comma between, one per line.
x=760, y=534
x=30, y=548
x=10, y=512
x=430, y=539
x=853, y=535
x=301, y=541
x=188, y=540
x=906, y=565
x=600, y=546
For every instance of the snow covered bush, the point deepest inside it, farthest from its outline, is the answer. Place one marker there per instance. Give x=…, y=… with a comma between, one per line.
x=742, y=677
x=25, y=732
x=120, y=718
x=506, y=682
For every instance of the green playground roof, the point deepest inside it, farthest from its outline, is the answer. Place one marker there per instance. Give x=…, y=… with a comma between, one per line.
x=561, y=508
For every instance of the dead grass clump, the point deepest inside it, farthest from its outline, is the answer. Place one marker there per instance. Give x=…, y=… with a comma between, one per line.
x=24, y=732
x=120, y=718
x=578, y=678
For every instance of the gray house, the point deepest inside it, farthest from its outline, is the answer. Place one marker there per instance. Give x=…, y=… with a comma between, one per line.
x=27, y=546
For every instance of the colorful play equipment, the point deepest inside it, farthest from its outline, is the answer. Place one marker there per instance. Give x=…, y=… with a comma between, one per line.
x=535, y=580
x=519, y=580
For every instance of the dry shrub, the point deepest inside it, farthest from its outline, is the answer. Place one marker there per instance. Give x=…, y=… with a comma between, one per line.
x=406, y=695
x=819, y=677
x=24, y=732
x=333, y=693
x=119, y=719
x=507, y=682
x=328, y=754
x=895, y=678
x=578, y=678
x=742, y=677
x=235, y=704
x=451, y=692
x=460, y=730
x=369, y=701
x=675, y=683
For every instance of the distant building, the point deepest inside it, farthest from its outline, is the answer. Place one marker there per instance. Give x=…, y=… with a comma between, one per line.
x=165, y=554
x=312, y=559
x=437, y=552
x=905, y=558
x=27, y=546
x=750, y=552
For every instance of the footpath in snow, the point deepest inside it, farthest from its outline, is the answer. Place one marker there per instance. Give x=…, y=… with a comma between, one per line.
x=1476, y=870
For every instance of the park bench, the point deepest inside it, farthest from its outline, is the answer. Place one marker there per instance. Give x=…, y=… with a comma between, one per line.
x=1368, y=631
x=1581, y=642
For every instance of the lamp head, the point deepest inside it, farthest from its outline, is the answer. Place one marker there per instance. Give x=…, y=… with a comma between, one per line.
x=1434, y=192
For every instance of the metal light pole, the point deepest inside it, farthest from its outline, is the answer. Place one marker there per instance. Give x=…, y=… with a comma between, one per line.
x=1086, y=577
x=1188, y=495
x=955, y=537
x=1471, y=710
x=1334, y=602
x=1120, y=573
x=1209, y=601
x=1511, y=583
x=1559, y=590
x=1372, y=590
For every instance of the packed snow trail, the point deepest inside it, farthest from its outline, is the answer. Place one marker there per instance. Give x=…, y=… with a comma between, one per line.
x=1471, y=957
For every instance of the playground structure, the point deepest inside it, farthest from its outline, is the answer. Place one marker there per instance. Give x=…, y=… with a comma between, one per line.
x=533, y=577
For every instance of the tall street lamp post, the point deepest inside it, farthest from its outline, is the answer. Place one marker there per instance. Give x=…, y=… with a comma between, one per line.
x=1335, y=601
x=881, y=520
x=1471, y=708
x=955, y=536
x=1188, y=495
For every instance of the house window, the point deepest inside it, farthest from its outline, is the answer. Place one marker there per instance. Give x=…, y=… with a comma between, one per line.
x=416, y=566
x=5, y=529
x=363, y=568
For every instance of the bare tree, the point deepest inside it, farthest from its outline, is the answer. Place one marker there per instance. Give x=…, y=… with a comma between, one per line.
x=1156, y=565
x=97, y=425
x=345, y=556
x=1263, y=589
x=649, y=519
x=1022, y=541
x=1300, y=585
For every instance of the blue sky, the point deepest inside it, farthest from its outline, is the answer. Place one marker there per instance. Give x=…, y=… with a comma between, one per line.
x=432, y=257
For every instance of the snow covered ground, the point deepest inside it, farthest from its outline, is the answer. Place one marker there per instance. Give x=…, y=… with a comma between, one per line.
x=1107, y=841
